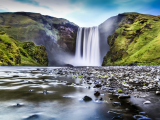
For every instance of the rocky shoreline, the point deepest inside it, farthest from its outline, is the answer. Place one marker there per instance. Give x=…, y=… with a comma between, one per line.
x=132, y=91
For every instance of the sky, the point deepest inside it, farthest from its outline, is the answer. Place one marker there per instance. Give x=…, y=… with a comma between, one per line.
x=84, y=13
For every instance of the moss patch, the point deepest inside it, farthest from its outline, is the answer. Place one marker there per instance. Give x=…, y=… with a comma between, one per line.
x=15, y=53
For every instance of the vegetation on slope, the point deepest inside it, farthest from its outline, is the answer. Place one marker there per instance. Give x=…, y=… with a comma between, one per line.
x=15, y=53
x=25, y=26
x=136, y=40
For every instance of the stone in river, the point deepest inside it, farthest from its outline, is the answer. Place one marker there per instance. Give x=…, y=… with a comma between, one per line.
x=101, y=99
x=123, y=96
x=96, y=93
x=15, y=75
x=97, y=86
x=18, y=105
x=110, y=98
x=147, y=102
x=141, y=117
x=157, y=92
x=116, y=104
x=87, y=98
x=68, y=83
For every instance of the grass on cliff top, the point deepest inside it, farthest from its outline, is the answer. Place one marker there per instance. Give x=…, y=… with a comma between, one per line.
x=141, y=41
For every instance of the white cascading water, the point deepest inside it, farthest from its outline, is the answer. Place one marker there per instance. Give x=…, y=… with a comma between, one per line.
x=87, y=47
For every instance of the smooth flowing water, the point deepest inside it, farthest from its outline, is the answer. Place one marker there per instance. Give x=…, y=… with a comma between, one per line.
x=31, y=93
x=87, y=47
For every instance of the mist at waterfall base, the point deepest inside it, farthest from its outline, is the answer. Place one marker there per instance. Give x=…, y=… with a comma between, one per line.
x=87, y=47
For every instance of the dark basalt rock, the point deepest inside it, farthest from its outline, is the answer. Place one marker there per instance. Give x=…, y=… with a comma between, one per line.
x=15, y=75
x=97, y=86
x=68, y=83
x=110, y=98
x=87, y=98
x=101, y=99
x=116, y=104
x=96, y=93
x=132, y=64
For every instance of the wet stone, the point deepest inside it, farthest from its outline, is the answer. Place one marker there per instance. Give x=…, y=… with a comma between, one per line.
x=123, y=96
x=97, y=86
x=147, y=102
x=141, y=117
x=96, y=93
x=87, y=98
x=157, y=92
x=116, y=104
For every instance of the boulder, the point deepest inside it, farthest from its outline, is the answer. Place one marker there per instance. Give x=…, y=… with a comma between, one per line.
x=96, y=93
x=97, y=86
x=157, y=92
x=87, y=98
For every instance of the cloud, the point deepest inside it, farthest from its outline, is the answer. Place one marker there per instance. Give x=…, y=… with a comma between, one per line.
x=60, y=7
x=28, y=1
x=14, y=6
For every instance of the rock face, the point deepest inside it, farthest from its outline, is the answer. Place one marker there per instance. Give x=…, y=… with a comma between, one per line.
x=136, y=40
x=15, y=53
x=107, y=28
x=56, y=34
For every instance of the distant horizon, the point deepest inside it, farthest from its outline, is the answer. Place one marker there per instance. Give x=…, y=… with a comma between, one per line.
x=84, y=13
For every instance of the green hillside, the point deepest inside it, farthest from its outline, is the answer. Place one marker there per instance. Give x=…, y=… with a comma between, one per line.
x=57, y=35
x=136, y=40
x=25, y=26
x=15, y=53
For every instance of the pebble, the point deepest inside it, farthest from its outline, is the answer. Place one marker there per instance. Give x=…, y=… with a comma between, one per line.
x=147, y=102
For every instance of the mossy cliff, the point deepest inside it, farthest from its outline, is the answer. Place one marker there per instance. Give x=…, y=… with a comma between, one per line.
x=137, y=39
x=56, y=34
x=15, y=53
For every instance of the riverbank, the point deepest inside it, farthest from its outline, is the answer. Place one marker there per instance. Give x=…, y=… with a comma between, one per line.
x=136, y=88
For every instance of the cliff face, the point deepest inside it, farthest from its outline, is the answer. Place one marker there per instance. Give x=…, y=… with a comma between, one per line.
x=56, y=34
x=15, y=53
x=137, y=39
x=105, y=29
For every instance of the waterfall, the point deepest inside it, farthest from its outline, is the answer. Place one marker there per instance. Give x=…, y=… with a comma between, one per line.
x=87, y=47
